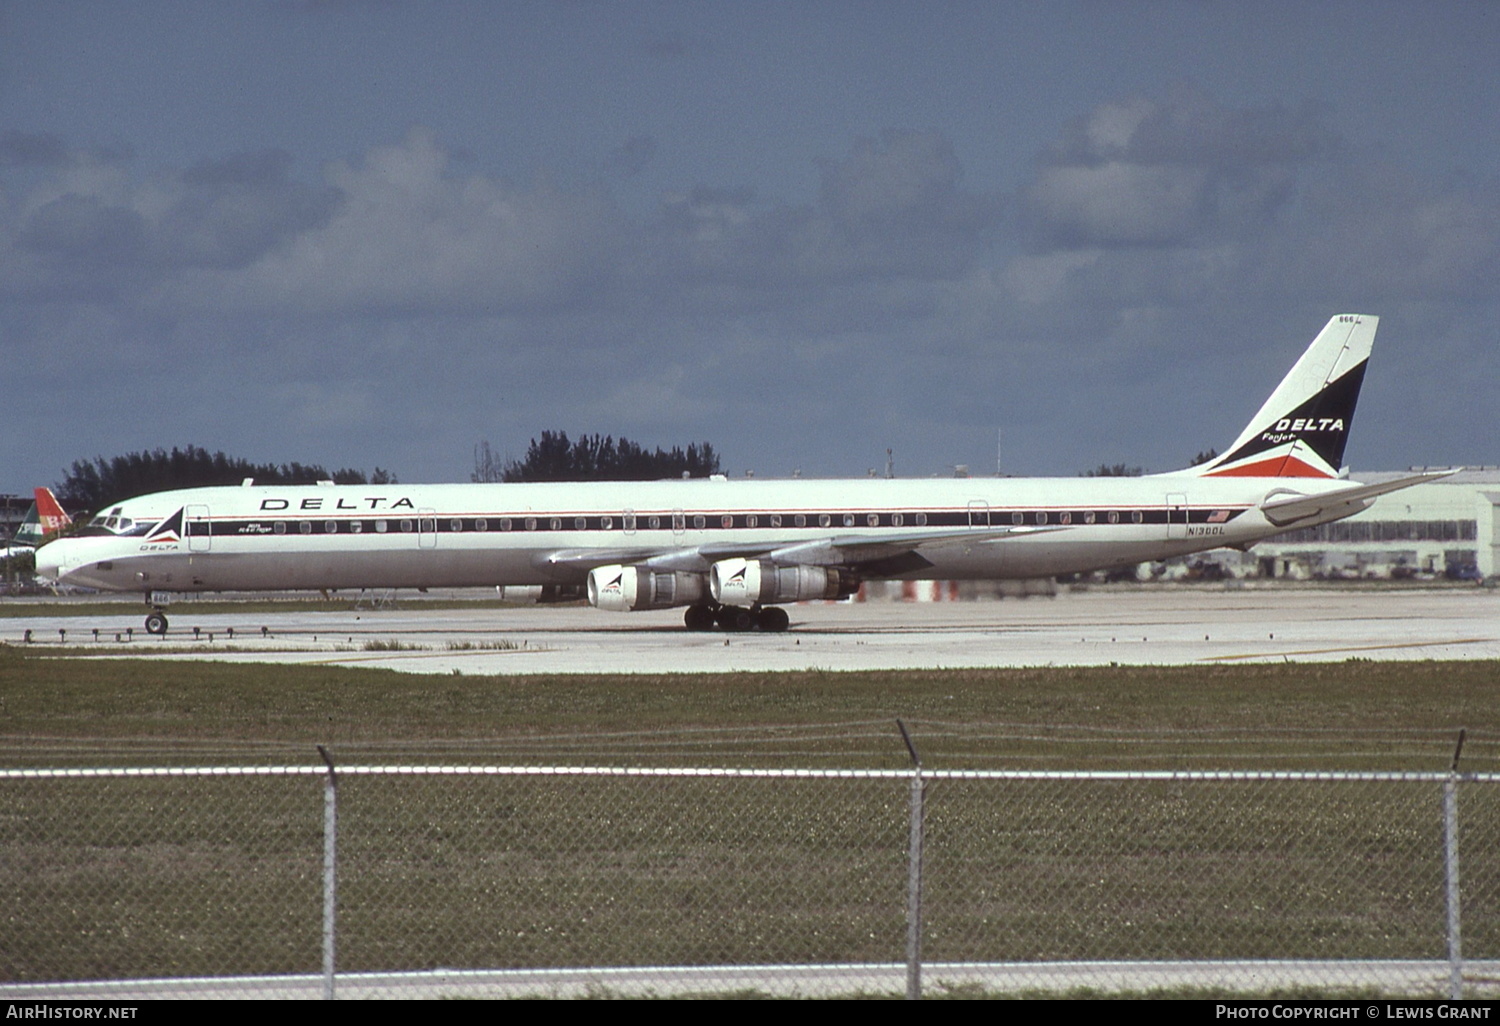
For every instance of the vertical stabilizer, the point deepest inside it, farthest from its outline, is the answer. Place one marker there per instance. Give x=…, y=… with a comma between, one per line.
x=50, y=512
x=43, y=520
x=1302, y=429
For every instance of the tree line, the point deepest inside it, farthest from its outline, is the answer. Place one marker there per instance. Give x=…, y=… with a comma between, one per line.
x=1122, y=470
x=95, y=484
x=552, y=457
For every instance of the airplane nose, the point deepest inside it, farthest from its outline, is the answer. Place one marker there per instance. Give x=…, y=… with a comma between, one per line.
x=49, y=561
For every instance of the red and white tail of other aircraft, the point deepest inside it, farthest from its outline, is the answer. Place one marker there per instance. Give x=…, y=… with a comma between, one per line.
x=44, y=519
x=732, y=553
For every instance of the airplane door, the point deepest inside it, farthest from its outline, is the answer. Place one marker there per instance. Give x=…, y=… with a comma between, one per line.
x=426, y=528
x=979, y=513
x=195, y=524
x=1177, y=515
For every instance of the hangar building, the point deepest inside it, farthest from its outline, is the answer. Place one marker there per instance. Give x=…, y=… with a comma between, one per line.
x=1446, y=528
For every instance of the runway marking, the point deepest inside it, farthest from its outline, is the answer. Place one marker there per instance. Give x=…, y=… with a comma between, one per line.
x=1348, y=648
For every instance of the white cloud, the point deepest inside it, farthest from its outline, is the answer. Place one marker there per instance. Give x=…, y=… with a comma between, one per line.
x=1118, y=203
x=1171, y=172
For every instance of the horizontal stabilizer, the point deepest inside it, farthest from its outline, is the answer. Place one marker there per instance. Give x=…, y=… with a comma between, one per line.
x=1296, y=511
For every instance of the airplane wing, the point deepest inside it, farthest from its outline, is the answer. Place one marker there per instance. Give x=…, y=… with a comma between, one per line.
x=840, y=550
x=1293, y=510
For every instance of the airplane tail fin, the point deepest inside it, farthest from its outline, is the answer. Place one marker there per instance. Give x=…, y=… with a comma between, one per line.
x=50, y=512
x=1302, y=429
x=43, y=520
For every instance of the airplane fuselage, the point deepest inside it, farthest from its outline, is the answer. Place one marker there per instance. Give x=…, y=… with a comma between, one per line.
x=250, y=538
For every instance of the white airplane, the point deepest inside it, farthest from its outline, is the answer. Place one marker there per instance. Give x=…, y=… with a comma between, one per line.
x=732, y=552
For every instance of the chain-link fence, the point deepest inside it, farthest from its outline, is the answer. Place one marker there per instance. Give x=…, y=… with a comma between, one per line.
x=425, y=881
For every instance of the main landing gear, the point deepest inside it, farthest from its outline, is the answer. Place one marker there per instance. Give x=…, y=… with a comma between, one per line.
x=770, y=619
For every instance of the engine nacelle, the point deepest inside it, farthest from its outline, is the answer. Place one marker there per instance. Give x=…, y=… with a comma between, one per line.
x=747, y=582
x=620, y=589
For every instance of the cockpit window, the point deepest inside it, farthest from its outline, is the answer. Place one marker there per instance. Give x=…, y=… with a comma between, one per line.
x=120, y=527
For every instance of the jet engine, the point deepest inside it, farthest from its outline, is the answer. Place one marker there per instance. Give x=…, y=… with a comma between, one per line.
x=620, y=589
x=748, y=582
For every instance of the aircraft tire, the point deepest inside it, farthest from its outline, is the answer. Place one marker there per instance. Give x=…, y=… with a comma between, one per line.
x=156, y=623
x=773, y=620
x=736, y=618
x=698, y=618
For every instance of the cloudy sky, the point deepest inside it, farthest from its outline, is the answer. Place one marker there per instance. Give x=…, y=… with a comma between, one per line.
x=360, y=233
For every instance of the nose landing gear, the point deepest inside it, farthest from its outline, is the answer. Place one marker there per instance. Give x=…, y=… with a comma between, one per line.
x=156, y=620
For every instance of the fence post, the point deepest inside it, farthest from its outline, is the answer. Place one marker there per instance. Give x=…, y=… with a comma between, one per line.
x=1450, y=867
x=914, y=873
x=330, y=870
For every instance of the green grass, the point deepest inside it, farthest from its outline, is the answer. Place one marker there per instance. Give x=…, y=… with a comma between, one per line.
x=183, y=876
x=1353, y=715
x=391, y=645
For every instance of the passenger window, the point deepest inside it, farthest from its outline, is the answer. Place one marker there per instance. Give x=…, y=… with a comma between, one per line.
x=873, y=519
x=455, y=525
x=1088, y=518
x=556, y=523
x=606, y=523
x=1065, y=518
x=752, y=520
x=484, y=525
x=1017, y=518
x=699, y=522
x=305, y=527
x=531, y=523
x=580, y=523
x=405, y=526
x=356, y=526
x=654, y=523
x=726, y=522
x=824, y=520
x=1137, y=517
x=775, y=519
x=332, y=527
x=281, y=527
x=380, y=526
x=799, y=520
x=848, y=519
x=896, y=519
x=1041, y=517
x=921, y=519
x=1114, y=518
